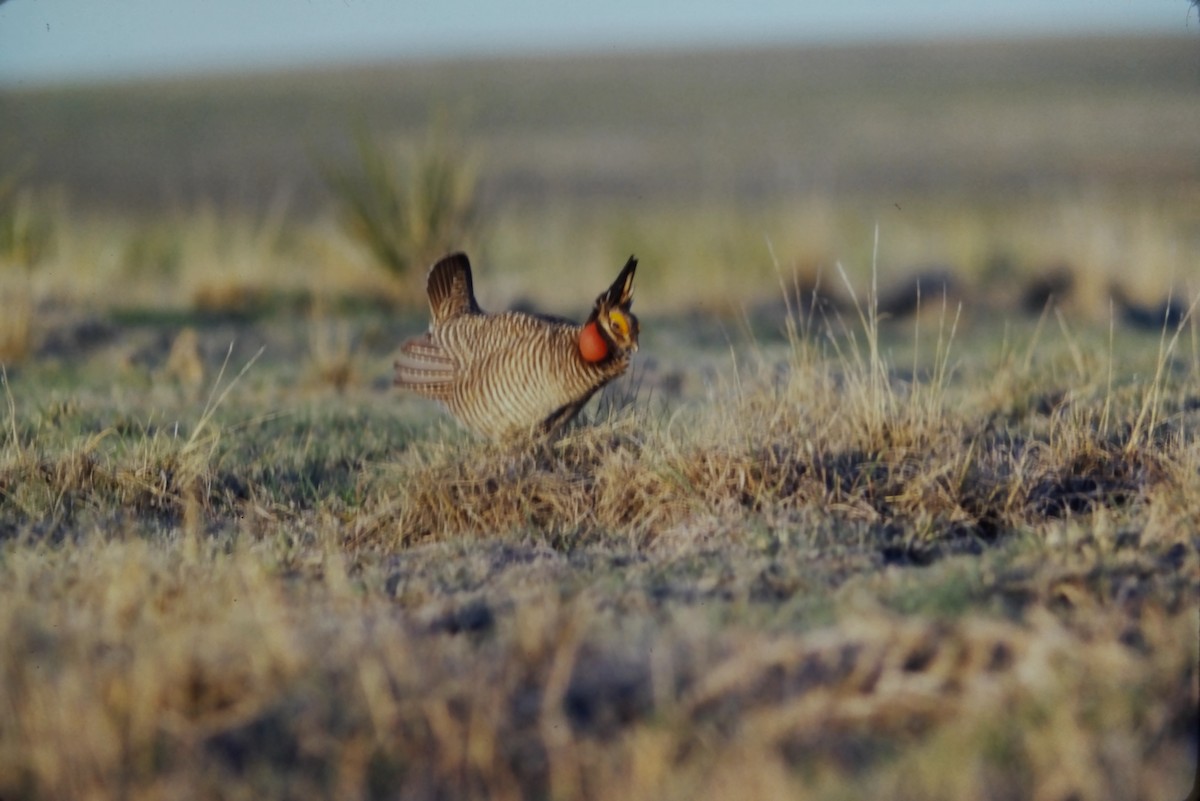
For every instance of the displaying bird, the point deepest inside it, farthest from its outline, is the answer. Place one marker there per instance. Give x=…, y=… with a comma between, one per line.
x=511, y=373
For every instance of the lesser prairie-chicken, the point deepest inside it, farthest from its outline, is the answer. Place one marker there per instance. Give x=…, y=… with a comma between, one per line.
x=511, y=373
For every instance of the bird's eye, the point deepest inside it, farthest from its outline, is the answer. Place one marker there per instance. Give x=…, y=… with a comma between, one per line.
x=618, y=323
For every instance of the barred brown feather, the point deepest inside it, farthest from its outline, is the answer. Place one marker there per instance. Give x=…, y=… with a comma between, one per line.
x=509, y=373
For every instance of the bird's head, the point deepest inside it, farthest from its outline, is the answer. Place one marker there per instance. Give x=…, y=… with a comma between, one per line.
x=612, y=328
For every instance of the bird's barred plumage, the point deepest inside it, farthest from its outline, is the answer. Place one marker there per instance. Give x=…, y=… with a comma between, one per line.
x=511, y=373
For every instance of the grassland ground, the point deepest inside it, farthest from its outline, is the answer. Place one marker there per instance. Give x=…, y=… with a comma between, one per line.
x=771, y=565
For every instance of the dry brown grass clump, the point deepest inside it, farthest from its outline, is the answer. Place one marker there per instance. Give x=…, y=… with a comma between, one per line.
x=157, y=473
x=945, y=472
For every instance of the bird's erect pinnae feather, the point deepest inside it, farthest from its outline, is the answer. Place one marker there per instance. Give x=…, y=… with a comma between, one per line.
x=451, y=291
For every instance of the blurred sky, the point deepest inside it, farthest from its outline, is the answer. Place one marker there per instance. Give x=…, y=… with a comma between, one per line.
x=47, y=41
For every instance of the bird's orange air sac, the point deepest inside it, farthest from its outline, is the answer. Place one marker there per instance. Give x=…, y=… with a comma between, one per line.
x=592, y=346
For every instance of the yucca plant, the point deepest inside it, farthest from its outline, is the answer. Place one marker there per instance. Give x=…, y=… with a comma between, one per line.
x=25, y=238
x=407, y=207
x=25, y=229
